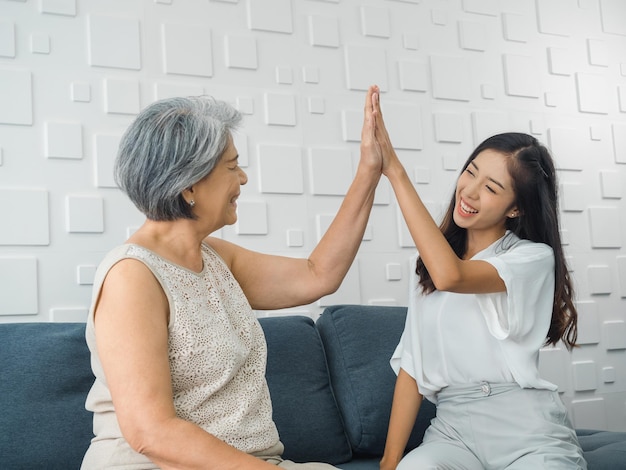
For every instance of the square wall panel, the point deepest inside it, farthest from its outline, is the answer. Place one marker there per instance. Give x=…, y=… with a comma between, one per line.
x=413, y=75
x=551, y=18
x=613, y=13
x=614, y=333
x=323, y=31
x=486, y=124
x=472, y=36
x=280, y=109
x=585, y=375
x=63, y=140
x=106, y=147
x=404, y=123
x=20, y=288
x=610, y=184
x=240, y=52
x=114, y=42
x=521, y=76
x=621, y=274
x=589, y=413
x=69, y=314
x=375, y=21
x=450, y=78
x=605, y=227
x=599, y=280
x=573, y=197
x=84, y=214
x=619, y=142
x=588, y=323
x=516, y=27
x=187, y=49
x=567, y=146
x=58, y=7
x=80, y=92
x=280, y=169
x=251, y=218
x=553, y=366
x=40, y=43
x=597, y=52
x=121, y=96
x=482, y=7
x=591, y=90
x=448, y=127
x=352, y=124
x=560, y=61
x=24, y=217
x=331, y=171
x=365, y=65
x=270, y=15
x=16, y=100
x=7, y=39
x=172, y=90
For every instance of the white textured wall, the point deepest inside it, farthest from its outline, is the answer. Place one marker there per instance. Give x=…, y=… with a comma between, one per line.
x=73, y=73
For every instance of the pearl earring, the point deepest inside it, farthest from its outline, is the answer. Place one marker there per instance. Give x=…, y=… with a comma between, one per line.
x=192, y=203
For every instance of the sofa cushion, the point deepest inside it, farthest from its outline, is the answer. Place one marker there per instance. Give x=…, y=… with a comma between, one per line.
x=46, y=376
x=359, y=342
x=305, y=410
x=604, y=450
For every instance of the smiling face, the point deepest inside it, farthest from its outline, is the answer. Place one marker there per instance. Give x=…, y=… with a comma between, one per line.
x=215, y=196
x=484, y=195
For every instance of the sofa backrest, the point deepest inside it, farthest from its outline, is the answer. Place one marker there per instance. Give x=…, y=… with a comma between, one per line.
x=45, y=377
x=359, y=341
x=305, y=410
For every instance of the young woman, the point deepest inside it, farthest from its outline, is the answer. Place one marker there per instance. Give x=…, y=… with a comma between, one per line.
x=177, y=352
x=490, y=288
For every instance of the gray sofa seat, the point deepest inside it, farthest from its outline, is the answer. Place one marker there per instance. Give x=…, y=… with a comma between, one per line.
x=330, y=382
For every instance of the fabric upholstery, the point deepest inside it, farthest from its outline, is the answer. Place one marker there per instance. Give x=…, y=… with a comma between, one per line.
x=45, y=377
x=305, y=411
x=359, y=341
x=604, y=450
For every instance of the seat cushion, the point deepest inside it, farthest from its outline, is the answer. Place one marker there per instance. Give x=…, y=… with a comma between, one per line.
x=359, y=342
x=604, y=450
x=46, y=375
x=304, y=407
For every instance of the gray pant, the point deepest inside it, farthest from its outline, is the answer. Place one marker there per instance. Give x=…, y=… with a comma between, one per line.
x=495, y=427
x=272, y=455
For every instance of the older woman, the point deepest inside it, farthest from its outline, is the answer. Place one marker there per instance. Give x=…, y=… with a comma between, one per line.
x=178, y=355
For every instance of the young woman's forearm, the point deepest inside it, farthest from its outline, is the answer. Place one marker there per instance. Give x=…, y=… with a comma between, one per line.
x=406, y=404
x=435, y=251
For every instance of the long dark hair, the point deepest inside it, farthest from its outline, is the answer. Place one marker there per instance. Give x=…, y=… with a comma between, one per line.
x=535, y=185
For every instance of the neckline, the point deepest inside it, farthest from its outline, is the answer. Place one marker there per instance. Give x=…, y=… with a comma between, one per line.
x=169, y=261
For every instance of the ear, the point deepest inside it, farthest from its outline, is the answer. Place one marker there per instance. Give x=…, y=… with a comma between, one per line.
x=513, y=213
x=188, y=194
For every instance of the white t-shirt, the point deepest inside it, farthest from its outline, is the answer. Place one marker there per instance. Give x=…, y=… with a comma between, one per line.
x=456, y=339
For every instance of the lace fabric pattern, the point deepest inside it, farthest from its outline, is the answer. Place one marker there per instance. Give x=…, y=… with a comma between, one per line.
x=217, y=352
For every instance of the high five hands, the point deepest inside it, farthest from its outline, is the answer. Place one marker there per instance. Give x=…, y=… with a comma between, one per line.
x=375, y=141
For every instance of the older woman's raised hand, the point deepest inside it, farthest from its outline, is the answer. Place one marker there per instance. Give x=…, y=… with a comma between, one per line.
x=382, y=141
x=371, y=154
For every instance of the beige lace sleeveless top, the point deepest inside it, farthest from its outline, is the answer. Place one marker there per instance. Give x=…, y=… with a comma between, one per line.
x=217, y=353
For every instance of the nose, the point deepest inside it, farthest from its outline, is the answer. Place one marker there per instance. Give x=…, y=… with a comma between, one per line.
x=471, y=189
x=243, y=177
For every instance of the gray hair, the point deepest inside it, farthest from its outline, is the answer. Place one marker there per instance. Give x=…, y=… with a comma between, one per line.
x=172, y=144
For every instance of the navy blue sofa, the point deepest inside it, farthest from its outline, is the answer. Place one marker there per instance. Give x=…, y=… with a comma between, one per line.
x=330, y=381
